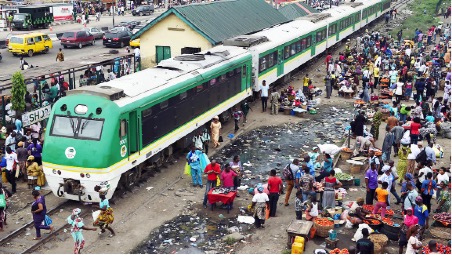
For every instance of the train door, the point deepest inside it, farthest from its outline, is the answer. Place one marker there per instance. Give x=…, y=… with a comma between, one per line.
x=313, y=43
x=133, y=132
x=280, y=69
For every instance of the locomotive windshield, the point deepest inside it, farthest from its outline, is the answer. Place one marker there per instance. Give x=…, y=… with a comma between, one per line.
x=77, y=127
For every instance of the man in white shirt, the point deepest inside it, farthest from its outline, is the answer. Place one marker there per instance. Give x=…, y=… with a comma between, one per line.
x=35, y=128
x=422, y=69
x=408, y=51
x=136, y=51
x=11, y=157
x=10, y=141
x=423, y=172
x=386, y=177
x=111, y=75
x=264, y=95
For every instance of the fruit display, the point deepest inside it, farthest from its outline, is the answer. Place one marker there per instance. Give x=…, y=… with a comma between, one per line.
x=339, y=251
x=324, y=222
x=442, y=217
x=441, y=249
x=346, y=149
x=372, y=222
x=387, y=221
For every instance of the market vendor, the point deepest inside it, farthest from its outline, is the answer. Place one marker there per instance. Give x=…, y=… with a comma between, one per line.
x=408, y=221
x=364, y=144
x=357, y=214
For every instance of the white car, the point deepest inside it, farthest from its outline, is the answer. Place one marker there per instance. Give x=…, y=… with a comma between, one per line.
x=96, y=32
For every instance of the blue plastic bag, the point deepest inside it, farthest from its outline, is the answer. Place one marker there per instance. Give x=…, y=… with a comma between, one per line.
x=47, y=221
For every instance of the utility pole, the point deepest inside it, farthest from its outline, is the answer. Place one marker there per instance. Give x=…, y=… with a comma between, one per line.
x=114, y=4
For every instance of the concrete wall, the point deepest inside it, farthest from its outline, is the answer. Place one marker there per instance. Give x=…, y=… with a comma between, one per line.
x=172, y=32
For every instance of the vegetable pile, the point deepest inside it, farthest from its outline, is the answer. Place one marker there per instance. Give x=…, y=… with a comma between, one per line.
x=323, y=222
x=370, y=208
x=442, y=249
x=339, y=251
x=346, y=149
x=372, y=222
x=442, y=217
x=387, y=221
x=343, y=177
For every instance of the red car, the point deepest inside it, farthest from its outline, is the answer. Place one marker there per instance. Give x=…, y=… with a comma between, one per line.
x=77, y=39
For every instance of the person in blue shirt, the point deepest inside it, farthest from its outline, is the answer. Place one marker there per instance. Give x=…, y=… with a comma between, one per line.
x=427, y=188
x=310, y=165
x=421, y=212
x=194, y=160
x=430, y=118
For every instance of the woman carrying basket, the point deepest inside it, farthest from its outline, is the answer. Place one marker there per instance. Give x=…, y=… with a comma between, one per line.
x=106, y=216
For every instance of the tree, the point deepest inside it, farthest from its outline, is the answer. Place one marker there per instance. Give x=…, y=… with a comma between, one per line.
x=18, y=93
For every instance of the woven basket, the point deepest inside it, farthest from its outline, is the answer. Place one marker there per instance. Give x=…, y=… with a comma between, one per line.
x=322, y=231
x=383, y=240
x=378, y=248
x=346, y=155
x=347, y=183
x=355, y=169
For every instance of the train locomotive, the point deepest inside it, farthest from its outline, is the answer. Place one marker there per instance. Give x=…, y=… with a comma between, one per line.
x=112, y=133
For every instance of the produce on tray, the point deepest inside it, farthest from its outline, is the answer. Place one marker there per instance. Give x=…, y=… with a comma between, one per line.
x=372, y=222
x=343, y=177
x=339, y=251
x=347, y=149
x=443, y=217
x=368, y=208
x=323, y=222
x=387, y=221
x=442, y=249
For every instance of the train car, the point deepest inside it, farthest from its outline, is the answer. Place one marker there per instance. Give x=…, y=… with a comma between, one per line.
x=108, y=134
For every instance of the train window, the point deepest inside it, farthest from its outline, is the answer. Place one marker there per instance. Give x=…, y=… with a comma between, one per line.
x=212, y=82
x=303, y=44
x=164, y=104
x=223, y=78
x=271, y=60
x=286, y=52
x=262, y=64
x=231, y=73
x=237, y=70
x=293, y=49
x=244, y=71
x=147, y=112
x=123, y=128
x=324, y=34
x=298, y=46
x=308, y=41
x=319, y=36
x=199, y=88
x=183, y=95
x=90, y=129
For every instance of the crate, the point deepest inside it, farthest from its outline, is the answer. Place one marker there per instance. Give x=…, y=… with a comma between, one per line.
x=331, y=244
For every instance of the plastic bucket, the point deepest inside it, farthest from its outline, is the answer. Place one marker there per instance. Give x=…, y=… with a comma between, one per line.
x=333, y=234
x=357, y=182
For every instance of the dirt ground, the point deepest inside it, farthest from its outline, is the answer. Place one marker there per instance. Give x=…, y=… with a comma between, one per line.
x=170, y=194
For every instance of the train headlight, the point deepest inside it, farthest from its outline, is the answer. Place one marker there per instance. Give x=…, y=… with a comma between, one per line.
x=81, y=109
x=88, y=175
x=59, y=172
x=82, y=175
x=54, y=171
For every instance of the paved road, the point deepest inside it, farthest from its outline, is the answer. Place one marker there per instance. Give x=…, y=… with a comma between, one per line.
x=10, y=63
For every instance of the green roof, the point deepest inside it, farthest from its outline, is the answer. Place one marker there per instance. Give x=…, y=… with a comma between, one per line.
x=217, y=21
x=296, y=10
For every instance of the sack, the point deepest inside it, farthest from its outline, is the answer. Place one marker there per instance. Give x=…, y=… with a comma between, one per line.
x=47, y=220
x=287, y=173
x=4, y=179
x=187, y=169
x=2, y=201
x=17, y=171
x=421, y=157
x=220, y=139
x=267, y=213
x=218, y=181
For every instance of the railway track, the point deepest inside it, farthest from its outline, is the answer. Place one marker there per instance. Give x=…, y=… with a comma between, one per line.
x=21, y=240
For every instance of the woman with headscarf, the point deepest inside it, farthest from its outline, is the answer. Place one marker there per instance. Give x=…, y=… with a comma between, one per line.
x=408, y=221
x=77, y=226
x=35, y=150
x=215, y=127
x=106, y=217
x=376, y=121
x=260, y=202
x=444, y=200
x=403, y=156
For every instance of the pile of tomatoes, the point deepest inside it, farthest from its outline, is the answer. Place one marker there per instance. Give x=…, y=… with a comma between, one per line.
x=372, y=222
x=387, y=221
x=442, y=249
x=324, y=222
x=339, y=251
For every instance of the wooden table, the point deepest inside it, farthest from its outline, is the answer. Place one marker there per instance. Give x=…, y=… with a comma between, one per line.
x=298, y=228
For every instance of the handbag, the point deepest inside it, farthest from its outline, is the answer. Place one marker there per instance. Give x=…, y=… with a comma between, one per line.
x=220, y=139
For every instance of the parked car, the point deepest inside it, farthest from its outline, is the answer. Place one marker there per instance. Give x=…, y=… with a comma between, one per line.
x=143, y=10
x=129, y=24
x=29, y=44
x=135, y=43
x=77, y=39
x=117, y=37
x=96, y=32
x=137, y=28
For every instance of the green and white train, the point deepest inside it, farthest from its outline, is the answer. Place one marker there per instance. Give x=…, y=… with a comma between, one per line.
x=108, y=134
